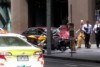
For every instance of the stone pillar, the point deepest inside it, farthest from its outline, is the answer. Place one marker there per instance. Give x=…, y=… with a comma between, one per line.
x=69, y=11
x=91, y=11
x=91, y=15
x=82, y=9
x=19, y=14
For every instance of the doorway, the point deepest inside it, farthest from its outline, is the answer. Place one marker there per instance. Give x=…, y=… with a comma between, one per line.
x=59, y=12
x=37, y=12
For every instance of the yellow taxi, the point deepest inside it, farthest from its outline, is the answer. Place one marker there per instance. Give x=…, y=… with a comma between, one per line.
x=16, y=51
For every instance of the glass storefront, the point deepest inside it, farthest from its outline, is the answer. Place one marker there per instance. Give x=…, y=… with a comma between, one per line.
x=5, y=14
x=59, y=12
x=37, y=12
x=97, y=11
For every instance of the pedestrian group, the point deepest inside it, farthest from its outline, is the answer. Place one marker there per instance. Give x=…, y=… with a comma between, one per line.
x=85, y=32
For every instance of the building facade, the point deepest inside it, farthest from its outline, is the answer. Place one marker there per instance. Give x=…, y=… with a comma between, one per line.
x=77, y=10
x=30, y=13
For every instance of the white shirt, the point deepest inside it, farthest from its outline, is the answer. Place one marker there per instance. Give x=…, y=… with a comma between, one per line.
x=95, y=27
x=89, y=27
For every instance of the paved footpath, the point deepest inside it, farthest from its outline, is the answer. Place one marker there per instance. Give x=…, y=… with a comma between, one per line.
x=92, y=54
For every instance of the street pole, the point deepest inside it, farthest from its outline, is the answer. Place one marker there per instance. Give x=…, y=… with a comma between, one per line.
x=48, y=4
x=71, y=13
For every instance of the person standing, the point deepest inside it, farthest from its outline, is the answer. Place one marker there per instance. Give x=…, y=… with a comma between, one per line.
x=96, y=30
x=81, y=24
x=72, y=37
x=87, y=29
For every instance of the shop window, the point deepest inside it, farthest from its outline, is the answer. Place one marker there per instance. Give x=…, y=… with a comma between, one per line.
x=5, y=14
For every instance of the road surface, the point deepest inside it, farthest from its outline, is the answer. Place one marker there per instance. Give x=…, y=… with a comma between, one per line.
x=68, y=63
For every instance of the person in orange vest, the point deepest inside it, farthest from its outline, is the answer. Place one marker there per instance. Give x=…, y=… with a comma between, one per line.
x=80, y=35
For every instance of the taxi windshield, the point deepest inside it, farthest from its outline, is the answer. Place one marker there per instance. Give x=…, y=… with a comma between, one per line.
x=12, y=41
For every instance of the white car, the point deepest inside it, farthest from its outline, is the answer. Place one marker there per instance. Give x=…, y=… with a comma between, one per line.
x=16, y=51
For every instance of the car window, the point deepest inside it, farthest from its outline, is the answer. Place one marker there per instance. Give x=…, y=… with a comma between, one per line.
x=40, y=31
x=32, y=31
x=37, y=31
x=12, y=41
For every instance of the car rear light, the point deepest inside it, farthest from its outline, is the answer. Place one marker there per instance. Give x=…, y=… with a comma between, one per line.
x=2, y=57
x=1, y=64
x=2, y=60
x=6, y=53
x=40, y=57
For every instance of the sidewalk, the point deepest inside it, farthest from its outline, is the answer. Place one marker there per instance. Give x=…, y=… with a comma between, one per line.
x=83, y=54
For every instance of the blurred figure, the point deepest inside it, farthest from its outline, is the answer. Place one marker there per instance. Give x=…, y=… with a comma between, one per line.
x=72, y=37
x=81, y=24
x=80, y=35
x=96, y=30
x=63, y=34
x=87, y=29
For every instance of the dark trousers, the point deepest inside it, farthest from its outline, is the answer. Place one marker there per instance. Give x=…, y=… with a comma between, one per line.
x=97, y=38
x=87, y=39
